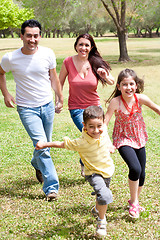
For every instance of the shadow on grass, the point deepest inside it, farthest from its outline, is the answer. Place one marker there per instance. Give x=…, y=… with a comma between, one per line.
x=136, y=60
x=19, y=188
x=149, y=50
x=71, y=227
x=75, y=225
x=6, y=49
x=70, y=182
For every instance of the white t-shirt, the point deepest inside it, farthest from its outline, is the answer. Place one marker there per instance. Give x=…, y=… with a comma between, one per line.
x=31, y=74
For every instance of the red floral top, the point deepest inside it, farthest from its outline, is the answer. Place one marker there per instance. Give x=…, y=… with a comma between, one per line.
x=129, y=130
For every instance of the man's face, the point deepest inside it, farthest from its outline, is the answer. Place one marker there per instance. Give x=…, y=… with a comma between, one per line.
x=31, y=40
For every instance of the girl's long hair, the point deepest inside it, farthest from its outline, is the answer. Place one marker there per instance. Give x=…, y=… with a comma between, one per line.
x=125, y=74
x=94, y=58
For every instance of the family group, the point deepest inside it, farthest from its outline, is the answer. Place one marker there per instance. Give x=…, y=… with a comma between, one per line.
x=34, y=71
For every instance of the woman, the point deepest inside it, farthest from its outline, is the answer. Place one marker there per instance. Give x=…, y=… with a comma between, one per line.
x=84, y=71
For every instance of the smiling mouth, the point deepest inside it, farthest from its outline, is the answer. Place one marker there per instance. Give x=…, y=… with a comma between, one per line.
x=32, y=45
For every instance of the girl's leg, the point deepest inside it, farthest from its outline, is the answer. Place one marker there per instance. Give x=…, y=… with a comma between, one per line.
x=133, y=187
x=130, y=157
x=141, y=154
x=139, y=191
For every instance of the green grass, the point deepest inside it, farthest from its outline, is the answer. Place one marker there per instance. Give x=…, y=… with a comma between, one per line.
x=24, y=212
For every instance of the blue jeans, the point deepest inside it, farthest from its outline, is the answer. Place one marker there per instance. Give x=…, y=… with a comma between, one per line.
x=77, y=117
x=38, y=122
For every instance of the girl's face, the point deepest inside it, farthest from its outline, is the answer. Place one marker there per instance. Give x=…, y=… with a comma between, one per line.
x=83, y=47
x=127, y=87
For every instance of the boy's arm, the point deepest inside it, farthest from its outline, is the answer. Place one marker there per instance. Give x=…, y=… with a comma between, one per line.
x=111, y=147
x=56, y=144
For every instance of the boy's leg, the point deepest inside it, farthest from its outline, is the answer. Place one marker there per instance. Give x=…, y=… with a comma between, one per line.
x=103, y=198
x=102, y=209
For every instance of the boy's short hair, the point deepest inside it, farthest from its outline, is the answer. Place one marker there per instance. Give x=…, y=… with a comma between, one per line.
x=92, y=112
x=30, y=23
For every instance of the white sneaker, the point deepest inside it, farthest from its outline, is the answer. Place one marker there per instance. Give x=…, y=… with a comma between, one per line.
x=101, y=227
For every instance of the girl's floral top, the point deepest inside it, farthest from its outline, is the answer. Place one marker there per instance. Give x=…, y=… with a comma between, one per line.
x=129, y=130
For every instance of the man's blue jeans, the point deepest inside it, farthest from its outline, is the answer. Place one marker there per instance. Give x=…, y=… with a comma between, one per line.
x=38, y=122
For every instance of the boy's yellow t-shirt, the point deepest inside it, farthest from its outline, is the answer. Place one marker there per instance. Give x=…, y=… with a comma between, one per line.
x=94, y=153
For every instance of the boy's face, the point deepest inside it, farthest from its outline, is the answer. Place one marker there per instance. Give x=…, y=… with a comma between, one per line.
x=94, y=127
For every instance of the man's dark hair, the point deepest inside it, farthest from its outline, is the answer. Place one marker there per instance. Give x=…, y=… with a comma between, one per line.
x=93, y=112
x=30, y=23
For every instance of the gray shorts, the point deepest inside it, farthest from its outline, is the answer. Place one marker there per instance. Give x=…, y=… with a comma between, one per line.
x=101, y=188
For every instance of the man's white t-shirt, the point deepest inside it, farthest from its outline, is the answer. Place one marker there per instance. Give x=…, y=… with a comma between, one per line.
x=31, y=74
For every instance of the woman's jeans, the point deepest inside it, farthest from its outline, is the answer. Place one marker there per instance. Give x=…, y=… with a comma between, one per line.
x=38, y=122
x=77, y=117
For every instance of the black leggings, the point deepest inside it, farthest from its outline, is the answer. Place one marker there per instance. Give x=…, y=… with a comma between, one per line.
x=136, y=161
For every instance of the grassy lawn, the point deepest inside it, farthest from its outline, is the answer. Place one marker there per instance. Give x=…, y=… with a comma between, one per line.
x=24, y=212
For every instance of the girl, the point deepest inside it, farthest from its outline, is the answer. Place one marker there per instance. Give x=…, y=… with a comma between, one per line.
x=129, y=134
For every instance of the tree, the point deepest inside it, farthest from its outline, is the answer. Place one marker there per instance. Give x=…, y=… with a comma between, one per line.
x=50, y=13
x=147, y=18
x=122, y=17
x=11, y=16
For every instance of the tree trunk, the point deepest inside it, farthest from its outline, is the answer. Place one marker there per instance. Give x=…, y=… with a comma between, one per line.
x=123, y=47
x=157, y=31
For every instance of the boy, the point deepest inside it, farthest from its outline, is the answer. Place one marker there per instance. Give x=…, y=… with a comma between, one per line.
x=94, y=147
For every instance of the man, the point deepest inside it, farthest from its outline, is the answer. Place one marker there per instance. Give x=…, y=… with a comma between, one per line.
x=34, y=71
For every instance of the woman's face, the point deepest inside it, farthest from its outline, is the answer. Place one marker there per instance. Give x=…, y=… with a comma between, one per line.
x=83, y=47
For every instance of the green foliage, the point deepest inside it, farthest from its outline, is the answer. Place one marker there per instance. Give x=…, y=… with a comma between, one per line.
x=11, y=16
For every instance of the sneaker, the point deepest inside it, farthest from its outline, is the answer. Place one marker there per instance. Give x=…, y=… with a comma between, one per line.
x=39, y=176
x=101, y=227
x=95, y=212
x=51, y=196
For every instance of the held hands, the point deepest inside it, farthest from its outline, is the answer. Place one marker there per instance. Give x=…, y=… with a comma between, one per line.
x=9, y=101
x=106, y=75
x=58, y=107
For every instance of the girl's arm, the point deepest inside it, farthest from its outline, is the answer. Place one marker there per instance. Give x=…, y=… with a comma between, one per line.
x=56, y=144
x=113, y=106
x=106, y=75
x=144, y=100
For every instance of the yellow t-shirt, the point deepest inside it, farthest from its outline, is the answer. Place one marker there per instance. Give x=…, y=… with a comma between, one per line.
x=94, y=153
